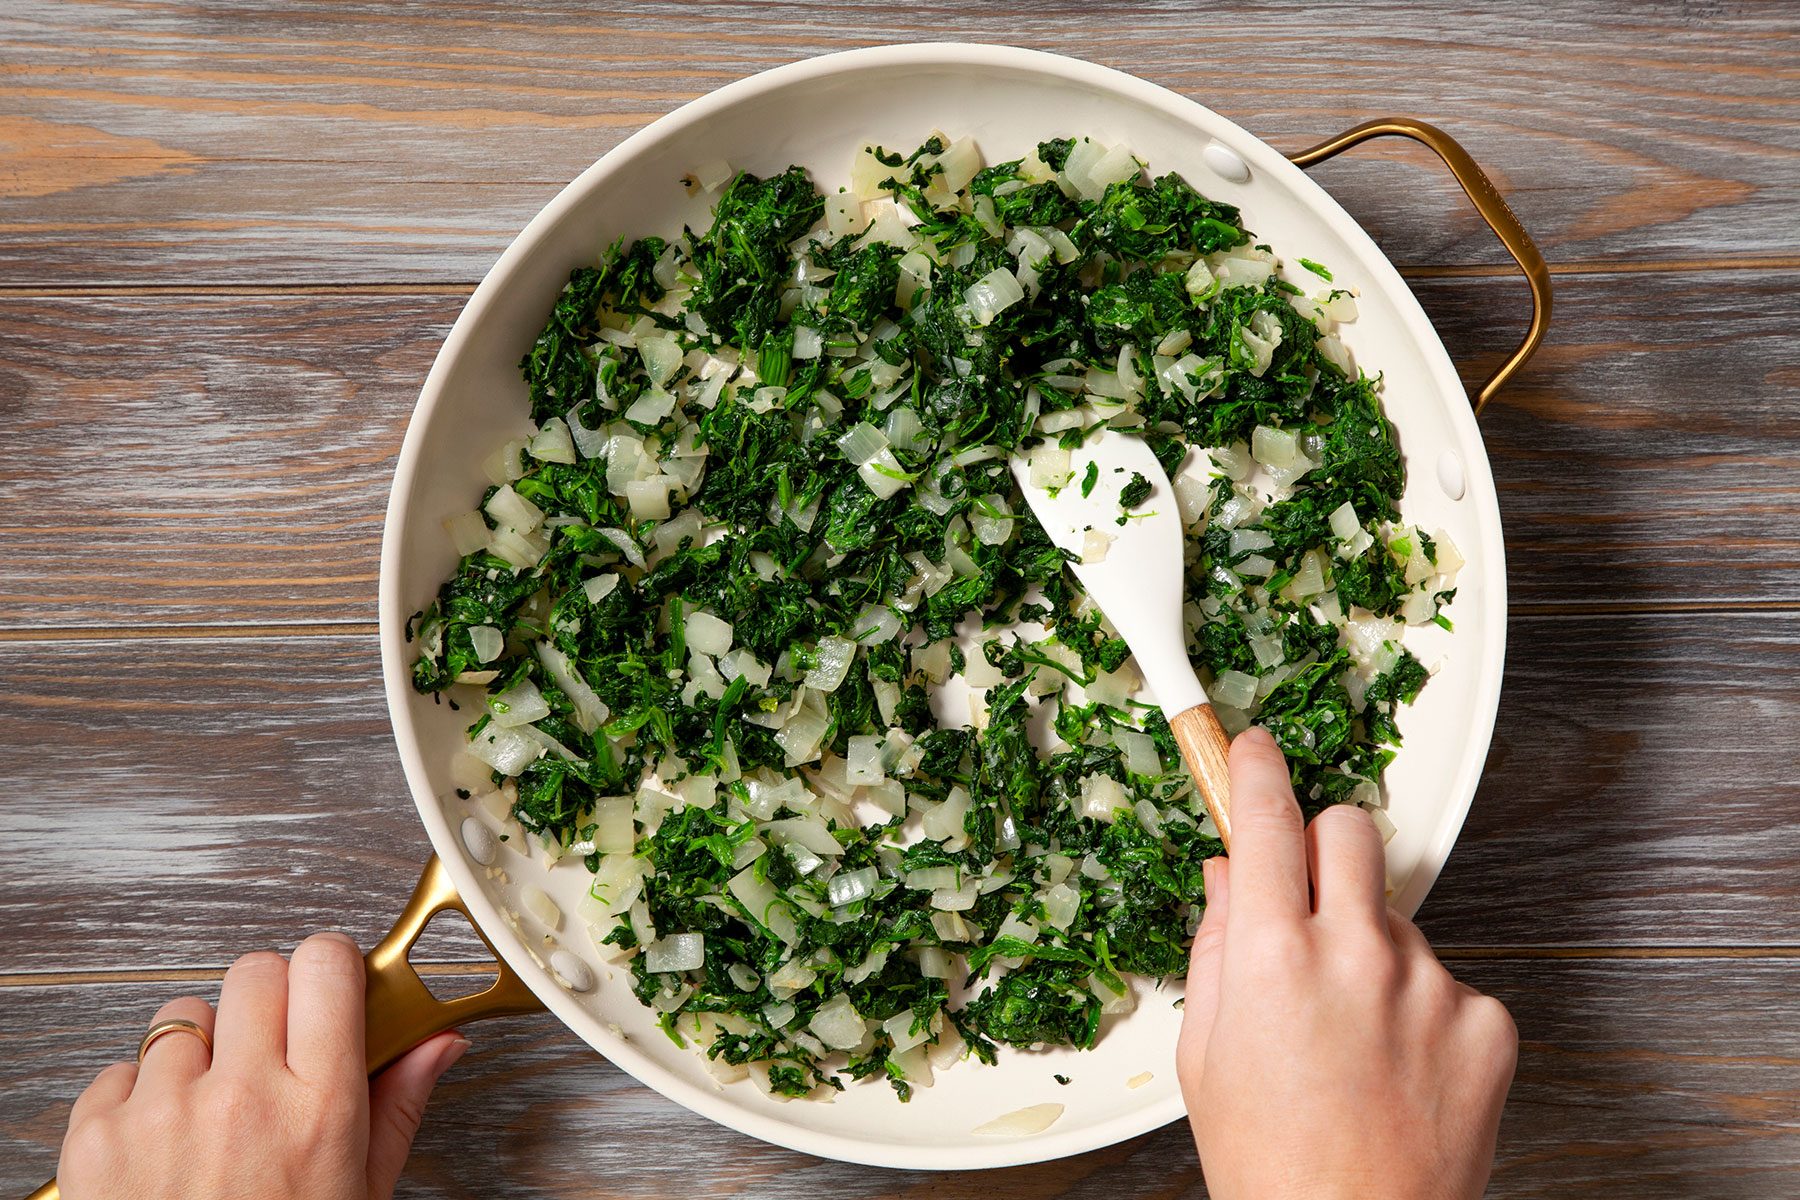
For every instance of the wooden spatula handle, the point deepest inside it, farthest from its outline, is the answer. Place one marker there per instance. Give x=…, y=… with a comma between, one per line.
x=1205, y=746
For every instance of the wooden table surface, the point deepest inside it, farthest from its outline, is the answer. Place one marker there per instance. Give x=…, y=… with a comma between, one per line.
x=232, y=238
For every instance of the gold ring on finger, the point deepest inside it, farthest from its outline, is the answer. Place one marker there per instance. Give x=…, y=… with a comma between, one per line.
x=173, y=1025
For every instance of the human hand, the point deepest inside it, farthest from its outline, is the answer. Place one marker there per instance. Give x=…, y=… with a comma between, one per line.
x=281, y=1107
x=1324, y=1051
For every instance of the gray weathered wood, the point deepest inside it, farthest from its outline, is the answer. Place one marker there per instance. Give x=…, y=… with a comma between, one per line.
x=243, y=479
x=387, y=142
x=1621, y=1092
x=178, y=802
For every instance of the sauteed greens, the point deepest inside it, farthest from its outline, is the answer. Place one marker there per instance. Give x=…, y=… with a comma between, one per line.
x=770, y=642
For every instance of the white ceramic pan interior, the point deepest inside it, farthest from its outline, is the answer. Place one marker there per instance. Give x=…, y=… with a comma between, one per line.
x=816, y=113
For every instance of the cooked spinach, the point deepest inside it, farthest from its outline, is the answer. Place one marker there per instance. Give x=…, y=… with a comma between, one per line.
x=713, y=598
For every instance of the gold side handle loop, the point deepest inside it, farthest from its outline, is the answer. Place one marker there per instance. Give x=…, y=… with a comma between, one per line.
x=1488, y=203
x=400, y=1009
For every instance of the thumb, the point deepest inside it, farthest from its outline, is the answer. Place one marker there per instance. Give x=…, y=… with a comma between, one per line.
x=1201, y=1002
x=397, y=1105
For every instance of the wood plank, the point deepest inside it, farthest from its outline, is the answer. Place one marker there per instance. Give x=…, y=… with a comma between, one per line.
x=1619, y=1090
x=179, y=802
x=386, y=142
x=184, y=459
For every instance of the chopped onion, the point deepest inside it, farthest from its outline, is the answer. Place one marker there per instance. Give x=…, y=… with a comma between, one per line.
x=707, y=634
x=514, y=511
x=864, y=761
x=1274, y=447
x=553, y=443
x=506, y=750
x=520, y=704
x=1095, y=545
x=861, y=443
x=1101, y=796
x=590, y=710
x=834, y=658
x=1233, y=688
x=649, y=498
x=468, y=532
x=764, y=903
x=599, y=587
x=991, y=528
x=837, y=1023
x=662, y=358
x=1061, y=903
x=992, y=294
x=504, y=465
x=614, y=831
x=1049, y=466
x=883, y=474
x=675, y=952
x=486, y=641
x=1139, y=752
x=538, y=903
x=1022, y=1122
x=1245, y=540
x=848, y=887
x=877, y=623
x=651, y=408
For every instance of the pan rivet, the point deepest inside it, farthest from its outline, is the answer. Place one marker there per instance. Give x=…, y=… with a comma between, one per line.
x=1225, y=163
x=1450, y=475
x=577, y=975
x=479, y=841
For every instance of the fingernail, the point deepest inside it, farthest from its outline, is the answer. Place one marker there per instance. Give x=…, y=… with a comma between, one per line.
x=448, y=1057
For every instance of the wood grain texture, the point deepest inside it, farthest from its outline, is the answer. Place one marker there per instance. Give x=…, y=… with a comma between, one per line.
x=390, y=142
x=1206, y=747
x=205, y=459
x=1619, y=1093
x=233, y=794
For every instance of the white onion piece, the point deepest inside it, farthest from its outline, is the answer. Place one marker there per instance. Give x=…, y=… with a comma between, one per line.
x=848, y=887
x=538, y=903
x=863, y=764
x=468, y=532
x=883, y=474
x=662, y=358
x=504, y=465
x=553, y=443
x=992, y=529
x=992, y=294
x=599, y=587
x=1095, y=545
x=834, y=658
x=877, y=623
x=486, y=641
x=1245, y=540
x=652, y=407
x=1101, y=796
x=520, y=704
x=1049, y=466
x=1274, y=447
x=707, y=633
x=1022, y=1122
x=506, y=750
x=837, y=1023
x=861, y=443
x=1233, y=688
x=649, y=498
x=765, y=904
x=810, y=832
x=1061, y=903
x=676, y=952
x=614, y=830
x=1139, y=752
x=590, y=710
x=514, y=511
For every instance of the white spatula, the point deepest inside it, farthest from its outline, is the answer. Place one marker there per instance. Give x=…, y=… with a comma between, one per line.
x=1134, y=573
